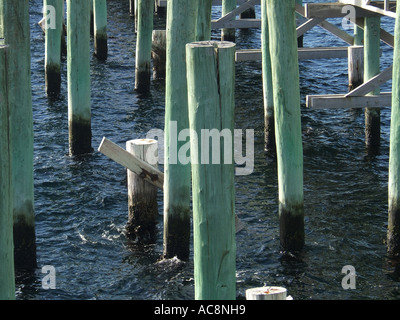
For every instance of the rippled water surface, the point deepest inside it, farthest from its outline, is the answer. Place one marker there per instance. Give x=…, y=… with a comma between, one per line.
x=81, y=204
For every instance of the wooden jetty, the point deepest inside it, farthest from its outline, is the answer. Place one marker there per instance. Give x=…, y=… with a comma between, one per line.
x=190, y=87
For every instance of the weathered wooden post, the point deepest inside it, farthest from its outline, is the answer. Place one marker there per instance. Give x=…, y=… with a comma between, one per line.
x=269, y=127
x=371, y=69
x=289, y=149
x=250, y=13
x=203, y=28
x=300, y=40
x=78, y=73
x=211, y=82
x=15, y=30
x=54, y=22
x=142, y=196
x=228, y=34
x=158, y=53
x=132, y=7
x=143, y=46
x=181, y=28
x=355, y=66
x=393, y=233
x=100, y=29
x=7, y=277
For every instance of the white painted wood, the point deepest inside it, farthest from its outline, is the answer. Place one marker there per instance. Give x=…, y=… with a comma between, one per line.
x=129, y=161
x=266, y=293
x=340, y=101
x=373, y=83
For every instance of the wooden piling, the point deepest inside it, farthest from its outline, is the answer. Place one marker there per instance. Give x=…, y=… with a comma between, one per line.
x=300, y=40
x=203, y=27
x=211, y=81
x=143, y=46
x=142, y=196
x=371, y=69
x=285, y=75
x=393, y=232
x=228, y=34
x=355, y=66
x=53, y=38
x=78, y=73
x=15, y=30
x=181, y=28
x=250, y=13
x=132, y=7
x=268, y=98
x=100, y=29
x=158, y=53
x=7, y=277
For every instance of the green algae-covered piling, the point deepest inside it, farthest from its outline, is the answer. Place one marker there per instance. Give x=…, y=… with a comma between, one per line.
x=393, y=233
x=371, y=69
x=53, y=36
x=158, y=53
x=100, y=29
x=181, y=28
x=143, y=46
x=15, y=30
x=269, y=127
x=228, y=34
x=142, y=195
x=7, y=278
x=289, y=149
x=78, y=73
x=211, y=81
x=203, y=28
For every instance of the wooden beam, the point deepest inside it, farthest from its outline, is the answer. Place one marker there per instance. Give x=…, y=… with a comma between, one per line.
x=373, y=7
x=332, y=10
x=337, y=101
x=371, y=84
x=129, y=161
x=304, y=53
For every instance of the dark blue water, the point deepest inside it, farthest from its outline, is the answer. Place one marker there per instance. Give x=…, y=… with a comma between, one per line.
x=81, y=205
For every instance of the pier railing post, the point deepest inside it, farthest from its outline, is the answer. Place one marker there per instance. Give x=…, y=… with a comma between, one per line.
x=268, y=98
x=393, y=233
x=53, y=36
x=371, y=69
x=7, y=277
x=289, y=149
x=143, y=46
x=100, y=29
x=211, y=81
x=228, y=34
x=16, y=34
x=181, y=29
x=78, y=73
x=142, y=196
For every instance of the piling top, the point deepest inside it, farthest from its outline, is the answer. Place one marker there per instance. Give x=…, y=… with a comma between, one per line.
x=142, y=141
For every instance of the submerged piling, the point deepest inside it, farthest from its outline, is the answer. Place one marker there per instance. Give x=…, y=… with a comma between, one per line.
x=142, y=195
x=228, y=34
x=53, y=41
x=16, y=33
x=289, y=149
x=393, y=232
x=143, y=46
x=211, y=81
x=181, y=28
x=7, y=277
x=371, y=69
x=78, y=73
x=100, y=29
x=268, y=98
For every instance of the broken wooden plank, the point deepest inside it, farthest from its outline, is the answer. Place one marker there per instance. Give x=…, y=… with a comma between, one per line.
x=129, y=161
